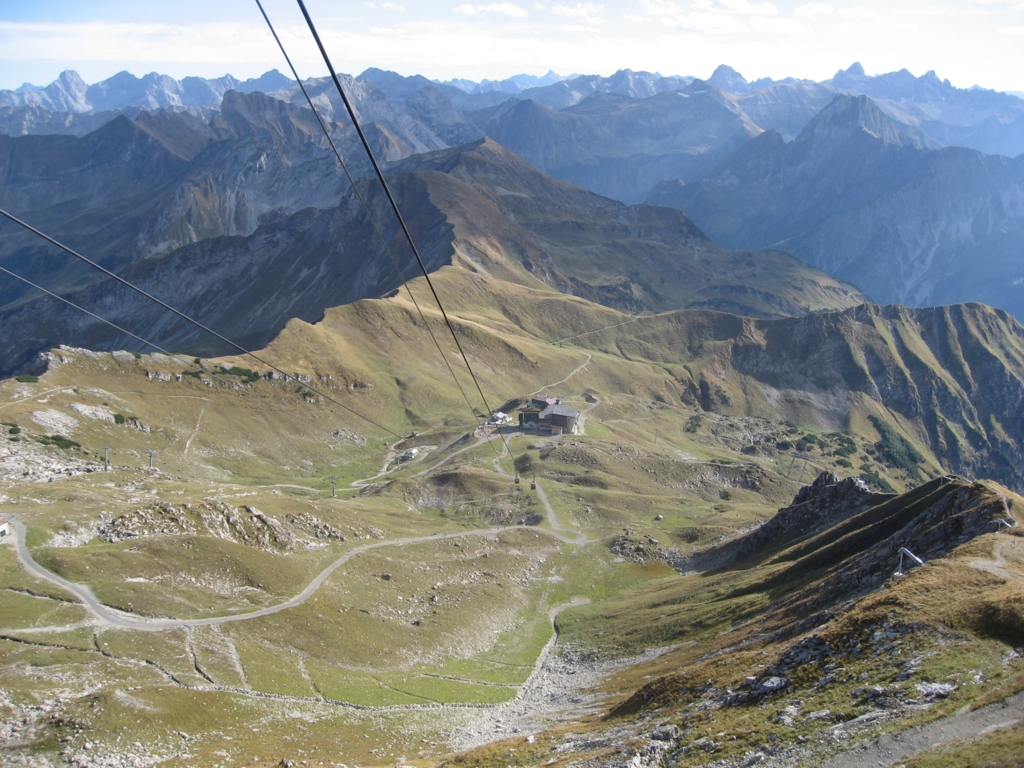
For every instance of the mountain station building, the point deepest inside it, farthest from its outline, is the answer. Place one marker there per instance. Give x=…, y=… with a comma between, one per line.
x=549, y=414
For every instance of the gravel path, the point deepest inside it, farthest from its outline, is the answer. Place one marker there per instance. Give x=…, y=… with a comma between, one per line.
x=998, y=567
x=188, y=443
x=579, y=368
x=121, y=620
x=580, y=538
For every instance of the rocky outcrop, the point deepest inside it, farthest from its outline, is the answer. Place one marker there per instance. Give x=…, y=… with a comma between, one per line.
x=859, y=554
x=212, y=517
x=243, y=525
x=816, y=507
x=820, y=505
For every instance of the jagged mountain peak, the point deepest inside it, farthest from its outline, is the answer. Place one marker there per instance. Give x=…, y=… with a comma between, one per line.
x=262, y=115
x=725, y=78
x=396, y=86
x=69, y=77
x=854, y=70
x=906, y=92
x=849, y=116
x=70, y=93
x=488, y=164
x=182, y=134
x=67, y=92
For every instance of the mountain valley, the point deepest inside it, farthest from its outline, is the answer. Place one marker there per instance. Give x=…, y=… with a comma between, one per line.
x=633, y=137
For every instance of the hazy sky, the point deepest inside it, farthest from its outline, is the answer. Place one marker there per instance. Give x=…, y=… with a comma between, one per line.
x=968, y=41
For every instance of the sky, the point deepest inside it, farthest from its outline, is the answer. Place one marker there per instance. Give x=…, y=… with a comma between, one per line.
x=970, y=42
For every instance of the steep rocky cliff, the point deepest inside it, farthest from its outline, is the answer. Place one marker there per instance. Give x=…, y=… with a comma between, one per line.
x=947, y=381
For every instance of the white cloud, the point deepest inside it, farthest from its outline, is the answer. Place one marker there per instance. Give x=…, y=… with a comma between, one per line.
x=387, y=6
x=740, y=7
x=587, y=12
x=224, y=43
x=673, y=36
x=714, y=23
x=502, y=9
x=581, y=11
x=777, y=26
x=711, y=16
x=810, y=10
x=717, y=16
x=660, y=8
x=857, y=12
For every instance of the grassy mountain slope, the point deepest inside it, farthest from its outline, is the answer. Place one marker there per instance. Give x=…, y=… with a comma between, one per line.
x=923, y=391
x=948, y=379
x=805, y=655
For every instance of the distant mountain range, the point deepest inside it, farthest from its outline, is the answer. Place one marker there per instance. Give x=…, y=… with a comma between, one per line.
x=515, y=84
x=869, y=200
x=976, y=117
x=69, y=93
x=875, y=180
x=139, y=188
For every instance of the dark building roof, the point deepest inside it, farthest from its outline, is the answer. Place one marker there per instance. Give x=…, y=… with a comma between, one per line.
x=560, y=410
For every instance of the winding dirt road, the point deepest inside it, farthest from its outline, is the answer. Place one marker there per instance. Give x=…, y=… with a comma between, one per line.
x=579, y=368
x=122, y=620
x=998, y=567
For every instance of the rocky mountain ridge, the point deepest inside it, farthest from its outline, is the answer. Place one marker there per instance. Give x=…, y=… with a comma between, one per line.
x=871, y=200
x=976, y=118
x=137, y=189
x=515, y=84
x=197, y=173
x=478, y=207
x=70, y=93
x=939, y=387
x=621, y=146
